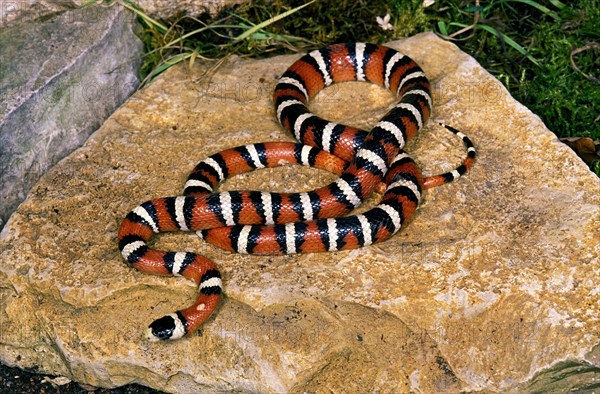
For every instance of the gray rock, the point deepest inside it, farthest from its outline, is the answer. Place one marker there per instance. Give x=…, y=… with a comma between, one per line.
x=169, y=9
x=59, y=80
x=14, y=12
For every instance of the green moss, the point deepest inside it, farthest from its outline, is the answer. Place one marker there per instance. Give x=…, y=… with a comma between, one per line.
x=566, y=101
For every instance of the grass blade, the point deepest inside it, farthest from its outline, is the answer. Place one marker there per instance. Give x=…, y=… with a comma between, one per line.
x=509, y=41
x=266, y=23
x=443, y=28
x=167, y=64
x=133, y=7
x=88, y=2
x=557, y=4
x=504, y=37
x=536, y=5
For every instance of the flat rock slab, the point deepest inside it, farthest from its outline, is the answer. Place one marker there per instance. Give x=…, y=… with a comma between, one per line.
x=60, y=78
x=495, y=280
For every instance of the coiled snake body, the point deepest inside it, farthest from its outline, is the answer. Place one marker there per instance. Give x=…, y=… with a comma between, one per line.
x=266, y=223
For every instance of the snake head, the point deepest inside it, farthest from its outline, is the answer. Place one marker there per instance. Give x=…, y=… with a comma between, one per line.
x=167, y=327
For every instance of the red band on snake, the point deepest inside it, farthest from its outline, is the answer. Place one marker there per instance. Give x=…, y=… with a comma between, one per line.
x=267, y=223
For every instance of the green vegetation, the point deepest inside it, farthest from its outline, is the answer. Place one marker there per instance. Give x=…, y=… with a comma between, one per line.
x=544, y=79
x=545, y=52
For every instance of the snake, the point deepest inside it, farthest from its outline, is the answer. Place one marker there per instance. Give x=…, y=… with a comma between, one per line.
x=262, y=222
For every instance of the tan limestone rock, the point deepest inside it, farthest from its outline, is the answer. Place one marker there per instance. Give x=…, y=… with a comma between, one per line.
x=495, y=280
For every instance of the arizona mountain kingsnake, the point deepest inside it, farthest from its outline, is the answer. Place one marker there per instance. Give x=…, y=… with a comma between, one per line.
x=266, y=223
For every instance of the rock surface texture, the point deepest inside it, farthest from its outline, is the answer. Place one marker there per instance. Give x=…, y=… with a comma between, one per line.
x=59, y=81
x=493, y=286
x=15, y=12
x=170, y=9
